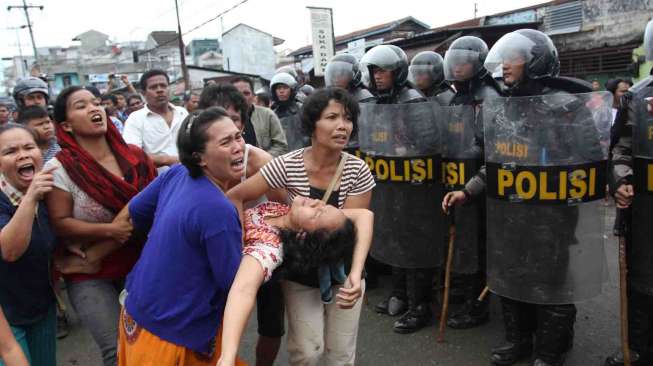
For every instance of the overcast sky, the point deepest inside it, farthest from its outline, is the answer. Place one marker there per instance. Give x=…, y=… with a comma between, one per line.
x=124, y=20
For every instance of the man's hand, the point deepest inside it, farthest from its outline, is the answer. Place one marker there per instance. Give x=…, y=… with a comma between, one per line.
x=624, y=195
x=453, y=198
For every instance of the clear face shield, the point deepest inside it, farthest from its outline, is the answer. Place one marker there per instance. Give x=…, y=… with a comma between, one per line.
x=338, y=73
x=461, y=65
x=509, y=57
x=421, y=76
x=648, y=41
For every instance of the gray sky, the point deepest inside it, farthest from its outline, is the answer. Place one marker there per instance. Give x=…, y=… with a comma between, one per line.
x=123, y=20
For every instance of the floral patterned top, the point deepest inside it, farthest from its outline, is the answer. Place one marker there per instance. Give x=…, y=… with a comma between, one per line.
x=262, y=240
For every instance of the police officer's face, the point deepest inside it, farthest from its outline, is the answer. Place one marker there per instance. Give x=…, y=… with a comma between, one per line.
x=622, y=88
x=513, y=70
x=382, y=78
x=283, y=92
x=36, y=98
x=463, y=71
x=423, y=80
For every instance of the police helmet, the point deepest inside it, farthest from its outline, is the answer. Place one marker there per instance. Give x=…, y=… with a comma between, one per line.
x=307, y=89
x=467, y=50
x=530, y=47
x=343, y=67
x=387, y=57
x=427, y=62
x=285, y=79
x=288, y=69
x=27, y=86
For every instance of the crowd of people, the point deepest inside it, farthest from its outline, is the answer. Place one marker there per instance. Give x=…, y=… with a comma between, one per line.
x=166, y=225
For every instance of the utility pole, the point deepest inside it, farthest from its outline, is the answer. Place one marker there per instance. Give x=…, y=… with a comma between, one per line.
x=182, y=53
x=475, y=10
x=23, y=65
x=26, y=8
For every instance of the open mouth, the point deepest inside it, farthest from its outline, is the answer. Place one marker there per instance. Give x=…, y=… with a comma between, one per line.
x=238, y=164
x=96, y=118
x=26, y=171
x=341, y=138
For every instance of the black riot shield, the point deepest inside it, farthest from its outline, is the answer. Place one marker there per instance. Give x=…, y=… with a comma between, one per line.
x=546, y=175
x=461, y=160
x=292, y=127
x=640, y=250
x=401, y=145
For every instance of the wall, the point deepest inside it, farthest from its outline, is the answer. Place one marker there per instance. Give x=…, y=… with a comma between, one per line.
x=248, y=51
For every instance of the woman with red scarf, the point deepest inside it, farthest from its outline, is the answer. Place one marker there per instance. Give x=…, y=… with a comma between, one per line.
x=98, y=174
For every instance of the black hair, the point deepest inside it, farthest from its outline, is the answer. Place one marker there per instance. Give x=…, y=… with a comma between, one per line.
x=60, y=104
x=192, y=137
x=119, y=93
x=10, y=126
x=315, y=104
x=189, y=94
x=612, y=84
x=151, y=73
x=5, y=105
x=110, y=97
x=133, y=96
x=30, y=113
x=225, y=96
x=244, y=79
x=263, y=97
x=302, y=253
x=95, y=91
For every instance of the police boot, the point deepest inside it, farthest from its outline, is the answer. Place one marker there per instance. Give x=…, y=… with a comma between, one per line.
x=397, y=302
x=473, y=312
x=414, y=319
x=617, y=359
x=519, y=334
x=555, y=333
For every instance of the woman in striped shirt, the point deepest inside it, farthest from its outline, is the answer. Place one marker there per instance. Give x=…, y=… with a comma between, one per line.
x=318, y=330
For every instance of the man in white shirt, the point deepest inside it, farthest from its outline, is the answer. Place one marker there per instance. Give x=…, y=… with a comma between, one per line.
x=154, y=128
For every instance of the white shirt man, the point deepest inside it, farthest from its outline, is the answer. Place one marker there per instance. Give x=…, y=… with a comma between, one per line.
x=155, y=127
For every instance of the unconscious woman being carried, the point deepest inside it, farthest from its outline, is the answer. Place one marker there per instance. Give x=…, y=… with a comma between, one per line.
x=313, y=234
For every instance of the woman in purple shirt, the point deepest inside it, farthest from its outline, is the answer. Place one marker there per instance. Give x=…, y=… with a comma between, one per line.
x=176, y=293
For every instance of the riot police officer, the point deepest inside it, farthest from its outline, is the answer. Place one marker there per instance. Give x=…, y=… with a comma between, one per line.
x=626, y=173
x=283, y=91
x=396, y=205
x=343, y=71
x=427, y=74
x=543, y=312
x=463, y=66
x=31, y=91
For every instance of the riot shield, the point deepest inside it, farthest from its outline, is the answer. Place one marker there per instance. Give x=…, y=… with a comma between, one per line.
x=401, y=145
x=640, y=251
x=461, y=160
x=292, y=127
x=546, y=175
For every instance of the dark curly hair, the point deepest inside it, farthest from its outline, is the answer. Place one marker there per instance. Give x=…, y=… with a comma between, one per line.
x=304, y=253
x=192, y=137
x=225, y=96
x=315, y=104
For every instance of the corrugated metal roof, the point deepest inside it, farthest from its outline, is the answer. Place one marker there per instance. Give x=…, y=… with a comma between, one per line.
x=563, y=18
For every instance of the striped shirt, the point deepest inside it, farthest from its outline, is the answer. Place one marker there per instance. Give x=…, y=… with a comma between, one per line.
x=288, y=171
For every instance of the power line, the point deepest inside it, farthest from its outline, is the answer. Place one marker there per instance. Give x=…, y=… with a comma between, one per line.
x=175, y=39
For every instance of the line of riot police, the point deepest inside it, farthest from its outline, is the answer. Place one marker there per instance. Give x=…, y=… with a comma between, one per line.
x=517, y=157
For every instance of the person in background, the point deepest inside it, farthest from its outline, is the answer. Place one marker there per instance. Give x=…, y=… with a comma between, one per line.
x=155, y=127
x=596, y=85
x=27, y=243
x=121, y=105
x=618, y=87
x=31, y=91
x=262, y=99
x=97, y=175
x=110, y=104
x=134, y=103
x=268, y=134
x=113, y=84
x=190, y=101
x=5, y=113
x=37, y=118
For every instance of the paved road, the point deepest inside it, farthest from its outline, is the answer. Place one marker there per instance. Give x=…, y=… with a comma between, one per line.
x=596, y=333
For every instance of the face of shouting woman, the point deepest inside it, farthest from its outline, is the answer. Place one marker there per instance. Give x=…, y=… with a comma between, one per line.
x=222, y=160
x=85, y=116
x=20, y=157
x=334, y=127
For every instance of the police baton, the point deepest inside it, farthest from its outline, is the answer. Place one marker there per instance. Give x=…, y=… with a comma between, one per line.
x=447, y=283
x=623, y=293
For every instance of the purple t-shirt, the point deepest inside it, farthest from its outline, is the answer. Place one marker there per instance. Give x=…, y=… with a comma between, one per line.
x=179, y=286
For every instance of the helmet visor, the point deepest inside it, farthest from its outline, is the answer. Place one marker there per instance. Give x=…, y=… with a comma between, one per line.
x=461, y=65
x=648, y=41
x=381, y=56
x=511, y=49
x=338, y=73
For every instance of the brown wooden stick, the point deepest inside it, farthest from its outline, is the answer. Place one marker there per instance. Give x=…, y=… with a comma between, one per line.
x=483, y=294
x=447, y=284
x=623, y=300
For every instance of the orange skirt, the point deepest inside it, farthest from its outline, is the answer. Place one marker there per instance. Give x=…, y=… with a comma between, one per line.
x=138, y=347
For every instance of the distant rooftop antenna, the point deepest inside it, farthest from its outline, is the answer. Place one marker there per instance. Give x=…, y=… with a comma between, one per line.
x=475, y=10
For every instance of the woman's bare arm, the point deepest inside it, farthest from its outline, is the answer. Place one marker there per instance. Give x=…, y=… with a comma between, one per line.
x=10, y=352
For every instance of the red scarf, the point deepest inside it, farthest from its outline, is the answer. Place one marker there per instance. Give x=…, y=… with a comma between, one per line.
x=100, y=184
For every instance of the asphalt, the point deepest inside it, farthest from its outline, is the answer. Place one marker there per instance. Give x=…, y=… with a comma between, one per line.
x=597, y=332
